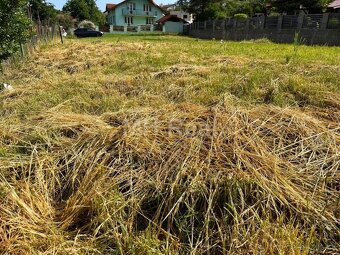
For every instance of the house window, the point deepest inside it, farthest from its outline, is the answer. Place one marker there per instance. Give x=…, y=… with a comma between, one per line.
x=150, y=21
x=147, y=8
x=185, y=16
x=131, y=6
x=129, y=20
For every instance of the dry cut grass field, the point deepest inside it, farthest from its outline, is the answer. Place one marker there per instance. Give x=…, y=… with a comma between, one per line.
x=171, y=145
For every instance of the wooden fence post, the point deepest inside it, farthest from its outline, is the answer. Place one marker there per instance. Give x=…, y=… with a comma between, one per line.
x=224, y=28
x=53, y=28
x=61, y=34
x=33, y=42
x=45, y=34
x=22, y=50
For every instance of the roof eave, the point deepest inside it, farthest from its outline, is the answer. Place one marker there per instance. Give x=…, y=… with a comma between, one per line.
x=150, y=1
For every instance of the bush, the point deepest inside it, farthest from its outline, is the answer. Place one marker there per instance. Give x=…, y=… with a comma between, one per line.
x=65, y=20
x=87, y=24
x=14, y=26
x=241, y=16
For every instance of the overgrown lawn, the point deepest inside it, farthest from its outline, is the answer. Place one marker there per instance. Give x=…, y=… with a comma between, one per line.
x=160, y=144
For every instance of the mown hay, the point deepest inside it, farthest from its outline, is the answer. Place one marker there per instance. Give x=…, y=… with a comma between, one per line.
x=186, y=179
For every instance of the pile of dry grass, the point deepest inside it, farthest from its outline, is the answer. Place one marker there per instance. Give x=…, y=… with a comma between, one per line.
x=180, y=70
x=185, y=180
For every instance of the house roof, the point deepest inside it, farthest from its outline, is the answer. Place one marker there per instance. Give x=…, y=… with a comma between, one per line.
x=335, y=4
x=110, y=7
x=114, y=6
x=168, y=6
x=172, y=18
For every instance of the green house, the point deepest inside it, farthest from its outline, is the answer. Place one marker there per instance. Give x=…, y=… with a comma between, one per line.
x=133, y=13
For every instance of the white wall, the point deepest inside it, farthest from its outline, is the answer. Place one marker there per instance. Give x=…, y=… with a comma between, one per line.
x=181, y=14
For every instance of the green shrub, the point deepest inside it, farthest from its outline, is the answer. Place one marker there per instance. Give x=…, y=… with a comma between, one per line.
x=14, y=26
x=241, y=16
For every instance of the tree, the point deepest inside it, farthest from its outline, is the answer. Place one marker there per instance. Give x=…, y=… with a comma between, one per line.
x=14, y=26
x=65, y=20
x=215, y=9
x=42, y=11
x=292, y=6
x=218, y=9
x=203, y=10
x=248, y=7
x=84, y=10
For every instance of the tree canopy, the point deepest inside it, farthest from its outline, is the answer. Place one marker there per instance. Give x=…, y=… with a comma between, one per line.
x=215, y=9
x=14, y=26
x=291, y=6
x=65, y=20
x=42, y=11
x=84, y=10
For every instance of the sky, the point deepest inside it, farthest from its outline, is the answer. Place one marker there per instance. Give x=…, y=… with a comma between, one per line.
x=102, y=3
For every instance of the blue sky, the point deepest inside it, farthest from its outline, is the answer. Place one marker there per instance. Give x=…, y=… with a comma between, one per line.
x=101, y=3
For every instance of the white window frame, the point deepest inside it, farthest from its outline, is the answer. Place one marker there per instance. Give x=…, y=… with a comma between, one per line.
x=150, y=21
x=131, y=6
x=147, y=7
x=128, y=20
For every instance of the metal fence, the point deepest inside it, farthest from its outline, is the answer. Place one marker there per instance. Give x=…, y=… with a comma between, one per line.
x=312, y=21
x=256, y=23
x=302, y=21
x=271, y=22
x=333, y=21
x=134, y=29
x=290, y=22
x=311, y=29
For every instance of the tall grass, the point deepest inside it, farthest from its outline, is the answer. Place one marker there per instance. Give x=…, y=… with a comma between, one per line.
x=133, y=150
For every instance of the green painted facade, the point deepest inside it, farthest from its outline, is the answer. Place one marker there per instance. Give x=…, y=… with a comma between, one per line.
x=173, y=27
x=134, y=13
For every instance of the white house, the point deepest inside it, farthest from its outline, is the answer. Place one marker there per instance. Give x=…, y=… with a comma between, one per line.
x=335, y=5
x=175, y=10
x=183, y=15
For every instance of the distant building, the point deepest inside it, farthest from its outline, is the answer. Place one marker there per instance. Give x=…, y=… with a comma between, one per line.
x=133, y=13
x=172, y=24
x=183, y=15
x=334, y=6
x=175, y=10
x=169, y=7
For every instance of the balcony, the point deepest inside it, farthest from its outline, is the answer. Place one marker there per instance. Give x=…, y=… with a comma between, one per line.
x=139, y=13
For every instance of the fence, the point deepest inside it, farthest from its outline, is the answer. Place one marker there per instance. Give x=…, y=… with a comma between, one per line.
x=313, y=28
x=41, y=35
x=135, y=29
